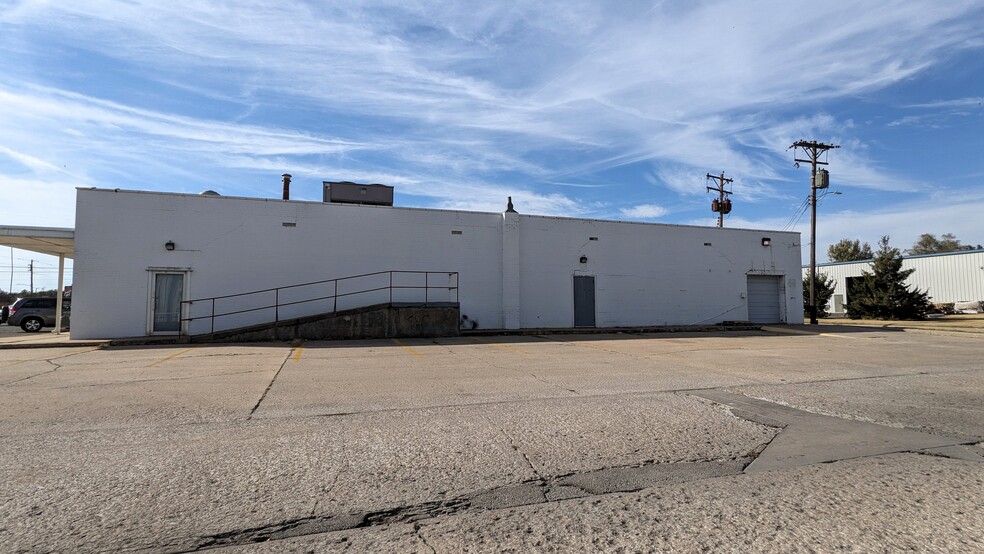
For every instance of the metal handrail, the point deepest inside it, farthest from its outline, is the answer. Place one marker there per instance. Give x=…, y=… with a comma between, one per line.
x=186, y=304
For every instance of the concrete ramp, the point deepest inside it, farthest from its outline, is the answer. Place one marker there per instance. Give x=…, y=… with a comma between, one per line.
x=371, y=322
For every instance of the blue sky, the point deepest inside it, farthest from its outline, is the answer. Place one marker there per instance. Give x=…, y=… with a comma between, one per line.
x=612, y=110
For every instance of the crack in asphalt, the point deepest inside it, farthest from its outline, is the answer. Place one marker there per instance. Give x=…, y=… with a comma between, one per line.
x=329, y=488
x=45, y=358
x=808, y=438
x=57, y=367
x=50, y=361
x=192, y=377
x=583, y=484
x=226, y=354
x=290, y=353
x=608, y=395
x=650, y=392
x=514, y=369
x=512, y=444
x=416, y=529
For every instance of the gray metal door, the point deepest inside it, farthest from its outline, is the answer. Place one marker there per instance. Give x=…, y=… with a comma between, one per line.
x=584, y=301
x=763, y=299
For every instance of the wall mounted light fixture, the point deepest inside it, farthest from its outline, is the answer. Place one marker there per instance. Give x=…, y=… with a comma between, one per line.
x=584, y=259
x=766, y=241
x=169, y=245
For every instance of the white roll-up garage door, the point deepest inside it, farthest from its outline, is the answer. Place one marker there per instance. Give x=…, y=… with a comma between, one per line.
x=763, y=299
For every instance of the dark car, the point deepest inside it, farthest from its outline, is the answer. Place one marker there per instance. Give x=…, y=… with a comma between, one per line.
x=31, y=314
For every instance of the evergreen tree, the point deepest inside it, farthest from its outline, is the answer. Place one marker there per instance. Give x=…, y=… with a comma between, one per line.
x=823, y=289
x=883, y=294
x=847, y=250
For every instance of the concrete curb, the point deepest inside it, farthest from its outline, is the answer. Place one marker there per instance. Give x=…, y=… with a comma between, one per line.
x=166, y=341
x=902, y=326
x=66, y=344
x=875, y=326
x=609, y=330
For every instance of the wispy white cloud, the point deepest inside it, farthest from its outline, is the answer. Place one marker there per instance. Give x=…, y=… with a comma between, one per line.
x=50, y=105
x=492, y=199
x=465, y=104
x=910, y=120
x=969, y=102
x=579, y=185
x=30, y=162
x=941, y=113
x=644, y=212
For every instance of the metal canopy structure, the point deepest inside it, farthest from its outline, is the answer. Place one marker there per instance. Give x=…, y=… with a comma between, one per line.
x=54, y=241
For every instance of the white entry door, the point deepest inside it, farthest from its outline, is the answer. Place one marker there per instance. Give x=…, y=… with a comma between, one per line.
x=168, y=292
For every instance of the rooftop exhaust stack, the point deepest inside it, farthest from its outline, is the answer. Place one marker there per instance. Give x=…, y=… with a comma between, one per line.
x=286, y=177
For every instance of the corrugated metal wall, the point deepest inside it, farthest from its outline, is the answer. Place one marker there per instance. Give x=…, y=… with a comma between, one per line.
x=951, y=277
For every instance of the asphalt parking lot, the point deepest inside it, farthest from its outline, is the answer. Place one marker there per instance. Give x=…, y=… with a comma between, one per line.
x=784, y=440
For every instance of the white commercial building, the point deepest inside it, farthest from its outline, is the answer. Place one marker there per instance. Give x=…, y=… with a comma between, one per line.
x=141, y=256
x=950, y=277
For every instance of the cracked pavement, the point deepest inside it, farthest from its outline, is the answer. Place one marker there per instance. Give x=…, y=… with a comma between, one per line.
x=868, y=439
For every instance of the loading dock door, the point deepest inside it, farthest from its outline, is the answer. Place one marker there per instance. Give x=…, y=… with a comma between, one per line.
x=584, y=301
x=763, y=299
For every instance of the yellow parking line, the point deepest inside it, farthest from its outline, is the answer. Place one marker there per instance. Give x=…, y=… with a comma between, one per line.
x=507, y=347
x=172, y=356
x=839, y=336
x=405, y=347
x=297, y=353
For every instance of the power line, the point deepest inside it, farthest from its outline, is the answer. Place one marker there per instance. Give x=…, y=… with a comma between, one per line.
x=804, y=205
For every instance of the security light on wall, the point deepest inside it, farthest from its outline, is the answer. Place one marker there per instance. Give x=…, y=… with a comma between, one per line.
x=766, y=241
x=584, y=259
x=169, y=245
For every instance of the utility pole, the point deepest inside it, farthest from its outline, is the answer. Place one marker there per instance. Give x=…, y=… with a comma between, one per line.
x=813, y=150
x=722, y=205
x=30, y=269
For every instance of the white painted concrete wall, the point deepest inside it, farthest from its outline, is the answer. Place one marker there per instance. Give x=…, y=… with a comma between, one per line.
x=234, y=245
x=950, y=277
x=515, y=270
x=649, y=274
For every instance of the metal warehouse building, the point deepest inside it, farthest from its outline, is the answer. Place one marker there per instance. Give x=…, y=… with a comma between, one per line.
x=949, y=277
x=140, y=257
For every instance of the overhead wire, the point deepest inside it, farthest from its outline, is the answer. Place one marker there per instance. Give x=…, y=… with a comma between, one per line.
x=800, y=212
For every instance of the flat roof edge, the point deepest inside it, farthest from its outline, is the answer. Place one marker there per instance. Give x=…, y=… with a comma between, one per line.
x=440, y=210
x=48, y=232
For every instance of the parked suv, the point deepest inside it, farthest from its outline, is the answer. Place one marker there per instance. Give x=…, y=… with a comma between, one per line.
x=31, y=314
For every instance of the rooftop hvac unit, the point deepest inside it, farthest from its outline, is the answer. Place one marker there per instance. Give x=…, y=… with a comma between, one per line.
x=347, y=192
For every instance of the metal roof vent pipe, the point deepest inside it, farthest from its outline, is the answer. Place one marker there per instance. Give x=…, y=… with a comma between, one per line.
x=286, y=177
